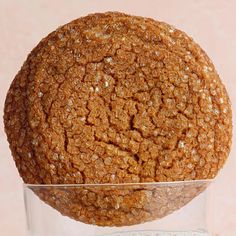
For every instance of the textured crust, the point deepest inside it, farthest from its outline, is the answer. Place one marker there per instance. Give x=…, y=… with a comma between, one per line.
x=113, y=98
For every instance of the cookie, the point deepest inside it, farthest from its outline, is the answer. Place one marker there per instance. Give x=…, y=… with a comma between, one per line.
x=113, y=98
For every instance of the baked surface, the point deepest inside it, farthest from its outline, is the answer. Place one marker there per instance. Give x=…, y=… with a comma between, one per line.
x=113, y=98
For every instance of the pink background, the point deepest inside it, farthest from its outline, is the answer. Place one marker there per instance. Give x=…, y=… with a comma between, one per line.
x=23, y=23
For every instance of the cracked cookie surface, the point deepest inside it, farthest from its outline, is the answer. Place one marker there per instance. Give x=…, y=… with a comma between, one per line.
x=113, y=98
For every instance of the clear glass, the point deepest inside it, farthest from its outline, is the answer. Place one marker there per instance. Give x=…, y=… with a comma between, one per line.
x=171, y=209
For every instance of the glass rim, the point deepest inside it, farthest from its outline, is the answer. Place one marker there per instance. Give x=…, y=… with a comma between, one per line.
x=170, y=183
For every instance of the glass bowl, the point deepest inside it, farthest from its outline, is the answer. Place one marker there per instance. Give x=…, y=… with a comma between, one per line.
x=139, y=209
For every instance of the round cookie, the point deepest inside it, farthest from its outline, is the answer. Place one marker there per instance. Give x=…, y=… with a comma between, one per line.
x=113, y=98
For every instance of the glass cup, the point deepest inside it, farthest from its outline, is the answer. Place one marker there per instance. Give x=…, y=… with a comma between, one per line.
x=141, y=209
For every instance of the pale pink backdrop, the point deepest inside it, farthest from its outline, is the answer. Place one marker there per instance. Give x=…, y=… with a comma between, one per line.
x=23, y=23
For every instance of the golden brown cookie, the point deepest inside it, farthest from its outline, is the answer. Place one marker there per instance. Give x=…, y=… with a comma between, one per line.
x=113, y=98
